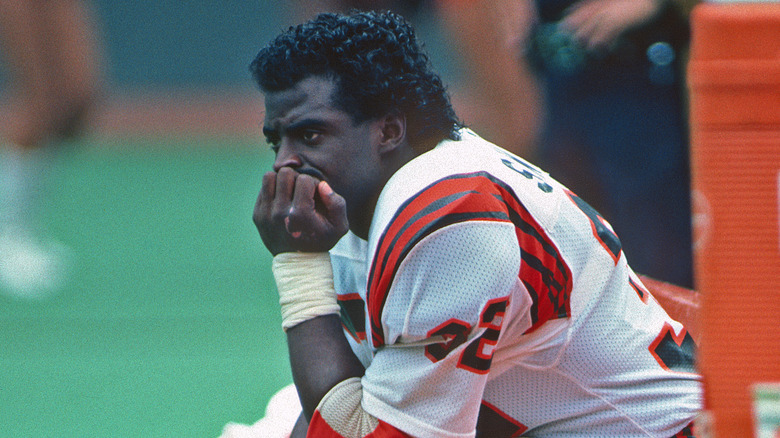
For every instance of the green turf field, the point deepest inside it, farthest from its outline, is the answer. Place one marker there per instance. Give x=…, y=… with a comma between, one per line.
x=168, y=325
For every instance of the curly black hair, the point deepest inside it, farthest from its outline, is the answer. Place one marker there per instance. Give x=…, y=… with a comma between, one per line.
x=377, y=65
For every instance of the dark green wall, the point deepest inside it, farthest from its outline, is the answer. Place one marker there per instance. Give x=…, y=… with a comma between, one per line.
x=201, y=43
x=186, y=43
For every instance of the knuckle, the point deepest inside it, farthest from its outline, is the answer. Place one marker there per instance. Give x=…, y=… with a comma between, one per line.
x=277, y=213
x=294, y=215
x=340, y=203
x=287, y=174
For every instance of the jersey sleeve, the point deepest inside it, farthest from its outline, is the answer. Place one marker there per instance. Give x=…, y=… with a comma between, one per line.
x=453, y=269
x=340, y=415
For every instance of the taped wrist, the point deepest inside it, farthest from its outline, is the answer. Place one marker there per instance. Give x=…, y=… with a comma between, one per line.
x=305, y=285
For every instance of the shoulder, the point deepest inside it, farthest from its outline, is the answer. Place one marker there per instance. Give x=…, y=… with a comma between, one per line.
x=466, y=180
x=444, y=186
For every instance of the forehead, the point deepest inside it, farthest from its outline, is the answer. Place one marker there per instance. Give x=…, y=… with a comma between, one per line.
x=309, y=98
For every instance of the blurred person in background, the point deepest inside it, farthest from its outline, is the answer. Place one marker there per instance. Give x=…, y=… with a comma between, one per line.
x=52, y=55
x=498, y=95
x=615, y=124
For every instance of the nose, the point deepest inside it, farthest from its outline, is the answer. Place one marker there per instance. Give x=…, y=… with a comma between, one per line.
x=285, y=157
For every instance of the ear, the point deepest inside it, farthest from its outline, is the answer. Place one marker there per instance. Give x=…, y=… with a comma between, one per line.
x=392, y=132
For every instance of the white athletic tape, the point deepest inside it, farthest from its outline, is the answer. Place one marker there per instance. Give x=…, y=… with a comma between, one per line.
x=305, y=284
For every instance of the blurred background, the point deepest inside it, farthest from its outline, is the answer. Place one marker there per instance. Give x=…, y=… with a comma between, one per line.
x=158, y=316
x=182, y=67
x=163, y=320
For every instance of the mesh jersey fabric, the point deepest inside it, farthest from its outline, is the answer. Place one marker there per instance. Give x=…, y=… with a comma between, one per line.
x=491, y=301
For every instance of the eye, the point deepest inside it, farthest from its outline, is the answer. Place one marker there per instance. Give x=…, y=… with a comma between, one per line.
x=310, y=136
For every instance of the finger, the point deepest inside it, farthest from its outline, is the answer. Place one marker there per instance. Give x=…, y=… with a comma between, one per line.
x=264, y=198
x=303, y=196
x=579, y=14
x=603, y=37
x=285, y=185
x=335, y=206
x=269, y=186
x=302, y=214
x=583, y=31
x=327, y=195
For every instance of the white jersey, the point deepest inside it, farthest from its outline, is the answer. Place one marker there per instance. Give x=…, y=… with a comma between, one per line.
x=490, y=300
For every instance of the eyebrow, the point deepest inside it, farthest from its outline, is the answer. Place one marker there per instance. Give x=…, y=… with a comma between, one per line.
x=297, y=126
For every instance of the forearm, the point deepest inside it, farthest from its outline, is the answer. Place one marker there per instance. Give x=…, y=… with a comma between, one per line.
x=320, y=354
x=320, y=357
x=300, y=428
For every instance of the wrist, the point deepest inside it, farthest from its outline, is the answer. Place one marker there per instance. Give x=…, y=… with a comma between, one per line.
x=305, y=285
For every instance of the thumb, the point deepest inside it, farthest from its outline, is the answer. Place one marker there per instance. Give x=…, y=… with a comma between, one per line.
x=334, y=204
